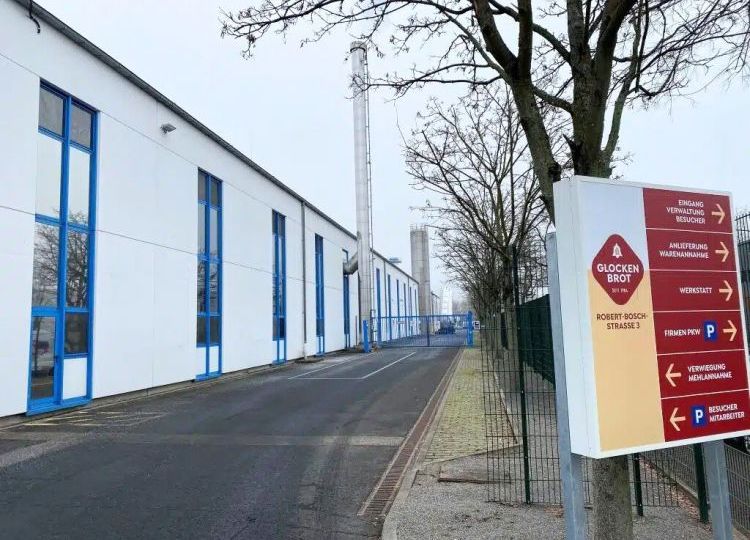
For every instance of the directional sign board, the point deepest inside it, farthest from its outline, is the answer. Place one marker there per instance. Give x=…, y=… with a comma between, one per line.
x=654, y=332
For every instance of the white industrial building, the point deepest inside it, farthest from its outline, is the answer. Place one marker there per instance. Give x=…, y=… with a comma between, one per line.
x=139, y=248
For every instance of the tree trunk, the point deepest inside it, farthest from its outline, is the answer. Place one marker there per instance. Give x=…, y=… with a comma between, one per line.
x=612, y=515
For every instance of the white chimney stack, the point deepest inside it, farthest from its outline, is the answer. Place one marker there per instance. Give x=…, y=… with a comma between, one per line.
x=362, y=180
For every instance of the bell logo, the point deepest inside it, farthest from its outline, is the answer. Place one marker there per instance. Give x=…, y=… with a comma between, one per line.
x=617, y=269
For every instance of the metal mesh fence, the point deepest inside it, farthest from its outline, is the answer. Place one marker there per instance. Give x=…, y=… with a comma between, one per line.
x=519, y=397
x=738, y=479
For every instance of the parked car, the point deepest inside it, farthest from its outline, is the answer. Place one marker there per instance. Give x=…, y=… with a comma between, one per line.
x=446, y=328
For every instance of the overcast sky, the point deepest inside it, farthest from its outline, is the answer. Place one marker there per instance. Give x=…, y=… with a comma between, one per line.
x=288, y=109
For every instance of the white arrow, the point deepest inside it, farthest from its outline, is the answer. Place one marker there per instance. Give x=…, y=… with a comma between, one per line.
x=672, y=375
x=674, y=419
x=720, y=213
x=731, y=330
x=723, y=251
x=727, y=290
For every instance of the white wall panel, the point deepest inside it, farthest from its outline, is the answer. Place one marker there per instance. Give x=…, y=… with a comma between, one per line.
x=213, y=359
x=174, y=306
x=74, y=378
x=18, y=129
x=124, y=344
x=16, y=258
x=127, y=181
x=174, y=221
x=247, y=322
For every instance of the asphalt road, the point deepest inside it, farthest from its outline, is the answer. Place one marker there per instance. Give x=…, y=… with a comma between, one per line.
x=293, y=453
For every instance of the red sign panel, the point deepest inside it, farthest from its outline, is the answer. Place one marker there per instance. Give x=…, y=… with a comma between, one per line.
x=696, y=331
x=697, y=320
x=703, y=373
x=707, y=414
x=688, y=250
x=673, y=290
x=686, y=211
x=617, y=269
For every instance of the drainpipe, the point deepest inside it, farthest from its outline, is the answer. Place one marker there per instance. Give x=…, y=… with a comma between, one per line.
x=304, y=283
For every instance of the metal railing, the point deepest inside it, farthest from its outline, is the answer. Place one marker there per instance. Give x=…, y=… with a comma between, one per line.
x=424, y=330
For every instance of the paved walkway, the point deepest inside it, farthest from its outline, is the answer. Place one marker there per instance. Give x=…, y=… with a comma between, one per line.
x=461, y=430
x=446, y=496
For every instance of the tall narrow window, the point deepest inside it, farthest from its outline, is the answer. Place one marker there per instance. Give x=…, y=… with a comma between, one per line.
x=208, y=326
x=319, y=295
x=347, y=321
x=389, y=305
x=409, y=313
x=398, y=309
x=377, y=297
x=279, y=285
x=405, y=312
x=63, y=247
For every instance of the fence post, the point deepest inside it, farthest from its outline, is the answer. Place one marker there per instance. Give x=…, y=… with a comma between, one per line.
x=366, y=334
x=469, y=330
x=429, y=322
x=522, y=381
x=637, y=483
x=700, y=483
x=718, y=489
x=571, y=472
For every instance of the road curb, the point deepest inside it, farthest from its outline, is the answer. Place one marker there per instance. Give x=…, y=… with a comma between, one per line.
x=390, y=523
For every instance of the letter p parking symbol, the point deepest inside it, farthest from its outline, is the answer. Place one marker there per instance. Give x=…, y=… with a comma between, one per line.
x=698, y=414
x=709, y=331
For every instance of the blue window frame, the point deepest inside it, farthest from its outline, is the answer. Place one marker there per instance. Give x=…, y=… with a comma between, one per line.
x=409, y=313
x=406, y=329
x=398, y=309
x=278, y=227
x=377, y=297
x=208, y=325
x=347, y=310
x=63, y=267
x=390, y=309
x=319, y=295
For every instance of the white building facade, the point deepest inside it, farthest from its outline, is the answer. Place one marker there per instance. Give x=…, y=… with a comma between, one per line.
x=136, y=257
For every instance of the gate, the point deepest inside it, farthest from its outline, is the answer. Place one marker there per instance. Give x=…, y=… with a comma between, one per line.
x=424, y=331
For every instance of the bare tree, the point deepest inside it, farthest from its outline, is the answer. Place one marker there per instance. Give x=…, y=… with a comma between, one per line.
x=588, y=59
x=475, y=268
x=474, y=158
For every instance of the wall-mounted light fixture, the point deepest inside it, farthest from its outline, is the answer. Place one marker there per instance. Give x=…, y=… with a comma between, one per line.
x=168, y=128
